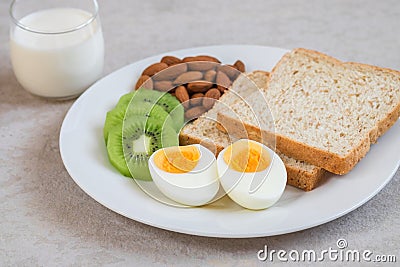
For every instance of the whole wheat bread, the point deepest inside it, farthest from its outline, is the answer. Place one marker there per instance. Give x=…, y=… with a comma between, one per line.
x=204, y=130
x=326, y=112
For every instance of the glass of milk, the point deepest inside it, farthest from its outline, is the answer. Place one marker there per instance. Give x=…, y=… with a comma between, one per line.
x=56, y=46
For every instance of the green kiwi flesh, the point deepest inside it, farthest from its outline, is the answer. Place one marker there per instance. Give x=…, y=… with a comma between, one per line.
x=129, y=149
x=117, y=115
x=168, y=102
x=115, y=151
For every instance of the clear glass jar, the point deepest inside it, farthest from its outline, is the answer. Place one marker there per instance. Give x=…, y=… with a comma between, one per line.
x=56, y=47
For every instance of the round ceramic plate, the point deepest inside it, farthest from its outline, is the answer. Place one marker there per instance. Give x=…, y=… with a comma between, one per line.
x=84, y=154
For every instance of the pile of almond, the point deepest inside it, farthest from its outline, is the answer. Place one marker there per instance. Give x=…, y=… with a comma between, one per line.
x=197, y=82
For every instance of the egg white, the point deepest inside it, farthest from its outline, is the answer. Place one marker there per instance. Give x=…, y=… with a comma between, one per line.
x=194, y=188
x=268, y=185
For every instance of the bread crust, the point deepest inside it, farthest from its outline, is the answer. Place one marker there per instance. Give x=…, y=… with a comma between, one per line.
x=329, y=161
x=304, y=180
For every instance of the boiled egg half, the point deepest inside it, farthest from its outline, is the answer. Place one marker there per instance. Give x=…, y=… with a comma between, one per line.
x=251, y=174
x=185, y=174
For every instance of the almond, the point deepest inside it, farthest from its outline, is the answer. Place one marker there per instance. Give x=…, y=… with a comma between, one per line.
x=229, y=70
x=201, y=65
x=154, y=68
x=199, y=87
x=196, y=99
x=171, y=72
x=182, y=95
x=223, y=82
x=194, y=112
x=210, y=76
x=240, y=66
x=213, y=93
x=210, y=97
x=144, y=81
x=208, y=103
x=201, y=58
x=170, y=60
x=163, y=86
x=189, y=76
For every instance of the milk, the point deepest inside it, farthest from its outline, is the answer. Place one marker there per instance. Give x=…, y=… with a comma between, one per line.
x=57, y=65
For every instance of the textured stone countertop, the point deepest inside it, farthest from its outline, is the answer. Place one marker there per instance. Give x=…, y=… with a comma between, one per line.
x=48, y=220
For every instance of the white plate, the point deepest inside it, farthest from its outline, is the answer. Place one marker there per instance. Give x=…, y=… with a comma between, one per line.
x=85, y=158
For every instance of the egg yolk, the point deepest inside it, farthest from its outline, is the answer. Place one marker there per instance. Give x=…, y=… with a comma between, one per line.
x=178, y=159
x=244, y=156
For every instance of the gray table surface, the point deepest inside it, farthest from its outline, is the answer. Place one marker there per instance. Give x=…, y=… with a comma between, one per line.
x=46, y=219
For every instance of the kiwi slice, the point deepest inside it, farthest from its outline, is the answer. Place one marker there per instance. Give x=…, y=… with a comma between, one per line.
x=117, y=115
x=129, y=149
x=115, y=151
x=168, y=102
x=124, y=100
x=113, y=118
x=150, y=110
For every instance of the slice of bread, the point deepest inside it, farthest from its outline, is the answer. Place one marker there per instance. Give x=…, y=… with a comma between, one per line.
x=326, y=112
x=205, y=131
